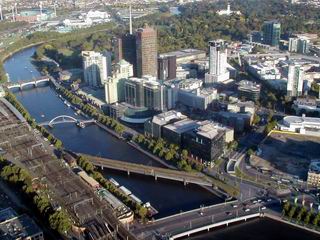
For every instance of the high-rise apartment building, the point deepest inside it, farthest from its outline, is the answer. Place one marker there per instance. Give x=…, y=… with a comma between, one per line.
x=146, y=48
x=218, y=71
x=114, y=87
x=167, y=68
x=295, y=80
x=271, y=33
x=299, y=45
x=96, y=67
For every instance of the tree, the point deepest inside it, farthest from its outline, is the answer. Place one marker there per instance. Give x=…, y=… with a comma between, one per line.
x=301, y=213
x=308, y=217
x=292, y=212
x=143, y=212
x=184, y=154
x=58, y=144
x=256, y=119
x=250, y=152
x=286, y=208
x=60, y=222
x=169, y=156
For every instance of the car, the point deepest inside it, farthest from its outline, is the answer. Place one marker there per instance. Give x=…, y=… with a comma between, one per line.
x=254, y=201
x=269, y=200
x=263, y=208
x=234, y=205
x=247, y=210
x=201, y=213
x=229, y=213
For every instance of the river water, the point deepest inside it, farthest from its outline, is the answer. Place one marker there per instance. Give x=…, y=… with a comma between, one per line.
x=168, y=197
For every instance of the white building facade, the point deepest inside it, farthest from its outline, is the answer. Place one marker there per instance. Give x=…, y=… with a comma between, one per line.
x=96, y=67
x=295, y=80
x=303, y=125
x=218, y=71
x=114, y=86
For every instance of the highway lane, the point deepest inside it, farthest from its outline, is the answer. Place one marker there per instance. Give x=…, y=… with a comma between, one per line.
x=195, y=219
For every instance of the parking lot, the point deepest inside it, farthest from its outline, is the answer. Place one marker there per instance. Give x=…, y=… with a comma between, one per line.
x=287, y=154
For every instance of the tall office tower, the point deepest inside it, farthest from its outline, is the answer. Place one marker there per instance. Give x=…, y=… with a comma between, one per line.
x=295, y=80
x=299, y=45
x=167, y=68
x=146, y=47
x=271, y=33
x=125, y=47
x=96, y=67
x=129, y=52
x=141, y=92
x=117, y=48
x=133, y=90
x=114, y=86
x=218, y=71
x=154, y=95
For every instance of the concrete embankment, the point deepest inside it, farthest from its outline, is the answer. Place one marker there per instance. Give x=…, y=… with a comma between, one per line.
x=279, y=219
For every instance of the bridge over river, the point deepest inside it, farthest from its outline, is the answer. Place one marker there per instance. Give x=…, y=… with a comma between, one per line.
x=67, y=119
x=156, y=172
x=35, y=82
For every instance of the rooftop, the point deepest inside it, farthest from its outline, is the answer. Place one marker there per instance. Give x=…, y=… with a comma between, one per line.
x=7, y=214
x=208, y=130
x=183, y=53
x=315, y=166
x=182, y=126
x=302, y=120
x=248, y=85
x=166, y=117
x=20, y=227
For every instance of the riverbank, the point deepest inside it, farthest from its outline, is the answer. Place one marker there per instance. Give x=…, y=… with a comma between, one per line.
x=279, y=219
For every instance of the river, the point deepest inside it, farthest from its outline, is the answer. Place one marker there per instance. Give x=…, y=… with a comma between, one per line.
x=168, y=197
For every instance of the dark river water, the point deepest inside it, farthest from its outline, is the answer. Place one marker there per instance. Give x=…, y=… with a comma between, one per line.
x=168, y=197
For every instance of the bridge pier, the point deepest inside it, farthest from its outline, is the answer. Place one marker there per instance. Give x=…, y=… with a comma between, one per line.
x=184, y=182
x=101, y=167
x=155, y=177
x=128, y=172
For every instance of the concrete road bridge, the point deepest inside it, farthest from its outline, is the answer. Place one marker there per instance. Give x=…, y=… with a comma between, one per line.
x=156, y=172
x=202, y=219
x=23, y=83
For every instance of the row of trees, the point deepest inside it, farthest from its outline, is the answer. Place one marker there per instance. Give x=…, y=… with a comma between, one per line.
x=52, y=139
x=301, y=215
x=87, y=166
x=168, y=152
x=58, y=220
x=92, y=111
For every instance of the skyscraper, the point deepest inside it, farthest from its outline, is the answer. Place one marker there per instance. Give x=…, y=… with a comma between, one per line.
x=96, y=67
x=271, y=33
x=167, y=68
x=129, y=52
x=218, y=71
x=299, y=45
x=146, y=48
x=114, y=86
x=295, y=80
x=124, y=47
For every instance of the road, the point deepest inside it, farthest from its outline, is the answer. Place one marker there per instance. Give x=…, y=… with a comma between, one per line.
x=194, y=219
